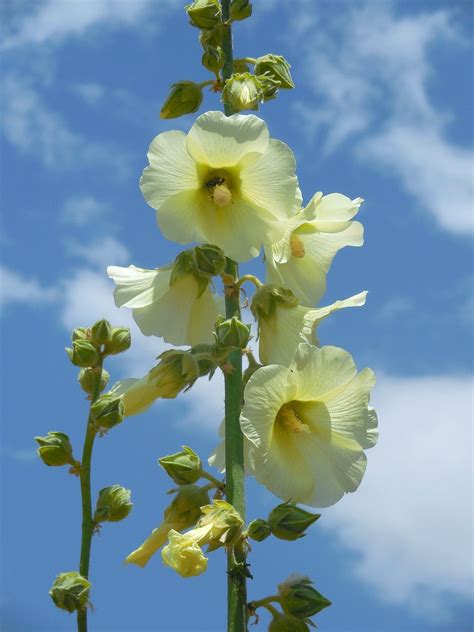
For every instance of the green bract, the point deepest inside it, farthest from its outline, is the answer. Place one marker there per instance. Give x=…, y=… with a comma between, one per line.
x=55, y=449
x=184, y=97
x=299, y=598
x=70, y=591
x=113, y=504
x=204, y=14
x=277, y=68
x=183, y=467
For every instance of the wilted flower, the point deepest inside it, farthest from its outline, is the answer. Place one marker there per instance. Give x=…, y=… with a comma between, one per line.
x=225, y=183
x=184, y=555
x=308, y=425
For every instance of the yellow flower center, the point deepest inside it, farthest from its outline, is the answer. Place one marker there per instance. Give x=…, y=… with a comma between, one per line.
x=297, y=247
x=288, y=418
x=218, y=187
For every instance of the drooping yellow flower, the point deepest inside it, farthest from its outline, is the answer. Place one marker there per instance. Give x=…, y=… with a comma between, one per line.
x=301, y=260
x=283, y=323
x=308, y=425
x=226, y=183
x=179, y=312
x=184, y=555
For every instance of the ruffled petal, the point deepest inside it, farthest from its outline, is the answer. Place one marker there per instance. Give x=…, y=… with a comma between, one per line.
x=137, y=287
x=171, y=169
x=217, y=140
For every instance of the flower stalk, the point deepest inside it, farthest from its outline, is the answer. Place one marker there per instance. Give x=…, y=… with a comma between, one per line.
x=87, y=518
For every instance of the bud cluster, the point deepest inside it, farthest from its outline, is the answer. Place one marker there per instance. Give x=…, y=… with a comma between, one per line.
x=91, y=344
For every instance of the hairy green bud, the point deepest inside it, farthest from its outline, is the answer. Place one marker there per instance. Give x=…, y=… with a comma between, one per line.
x=119, y=341
x=83, y=353
x=269, y=86
x=213, y=59
x=88, y=379
x=183, y=467
x=287, y=623
x=258, y=530
x=289, y=522
x=81, y=333
x=240, y=9
x=209, y=260
x=184, y=97
x=107, y=412
x=243, y=91
x=277, y=68
x=232, y=333
x=70, y=591
x=299, y=598
x=204, y=14
x=266, y=299
x=101, y=332
x=113, y=504
x=55, y=449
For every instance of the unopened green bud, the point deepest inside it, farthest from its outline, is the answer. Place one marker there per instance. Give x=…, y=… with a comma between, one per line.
x=211, y=38
x=185, y=509
x=209, y=260
x=289, y=522
x=268, y=297
x=213, y=59
x=207, y=358
x=107, y=412
x=232, y=333
x=258, y=530
x=270, y=87
x=183, y=467
x=55, y=449
x=240, y=9
x=204, y=14
x=184, y=97
x=101, y=332
x=119, y=341
x=88, y=379
x=277, y=68
x=299, y=598
x=81, y=333
x=70, y=591
x=113, y=504
x=287, y=623
x=243, y=91
x=83, y=353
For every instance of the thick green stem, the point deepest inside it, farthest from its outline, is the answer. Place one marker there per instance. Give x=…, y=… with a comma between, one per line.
x=87, y=521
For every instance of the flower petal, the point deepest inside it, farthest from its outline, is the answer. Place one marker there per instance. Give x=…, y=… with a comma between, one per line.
x=217, y=140
x=137, y=287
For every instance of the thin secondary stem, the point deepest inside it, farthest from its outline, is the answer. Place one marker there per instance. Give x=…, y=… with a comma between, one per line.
x=251, y=278
x=87, y=521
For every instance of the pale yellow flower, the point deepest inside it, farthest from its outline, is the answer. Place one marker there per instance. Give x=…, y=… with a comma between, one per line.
x=302, y=258
x=287, y=326
x=225, y=183
x=181, y=313
x=309, y=424
x=184, y=555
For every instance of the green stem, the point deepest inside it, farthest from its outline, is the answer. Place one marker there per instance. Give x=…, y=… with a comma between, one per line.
x=87, y=521
x=203, y=84
x=249, y=277
x=216, y=482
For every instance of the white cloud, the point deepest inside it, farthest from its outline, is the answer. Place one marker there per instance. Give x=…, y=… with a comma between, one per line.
x=394, y=308
x=83, y=209
x=92, y=93
x=36, y=130
x=18, y=288
x=54, y=20
x=410, y=522
x=370, y=71
x=101, y=253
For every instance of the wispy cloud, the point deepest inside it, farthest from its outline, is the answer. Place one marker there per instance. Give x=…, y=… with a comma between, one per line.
x=410, y=522
x=370, y=69
x=16, y=287
x=81, y=210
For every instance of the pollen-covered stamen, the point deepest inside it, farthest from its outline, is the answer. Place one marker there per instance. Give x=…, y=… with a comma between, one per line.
x=290, y=420
x=297, y=247
x=221, y=195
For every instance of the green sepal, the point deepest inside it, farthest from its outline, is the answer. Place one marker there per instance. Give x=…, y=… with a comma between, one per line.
x=113, y=504
x=55, y=449
x=70, y=591
x=289, y=522
x=101, y=332
x=277, y=68
x=185, y=97
x=183, y=467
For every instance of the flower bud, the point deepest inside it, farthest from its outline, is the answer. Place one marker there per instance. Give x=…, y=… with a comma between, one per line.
x=88, y=379
x=299, y=598
x=211, y=38
x=55, y=449
x=232, y=333
x=81, y=333
x=119, y=341
x=83, y=353
x=266, y=299
x=101, y=332
x=240, y=9
x=108, y=411
x=184, y=555
x=184, y=97
x=70, y=591
x=287, y=623
x=204, y=14
x=259, y=530
x=183, y=467
x=269, y=86
x=176, y=371
x=277, y=68
x=209, y=260
x=289, y=522
x=242, y=91
x=113, y=504
x=213, y=59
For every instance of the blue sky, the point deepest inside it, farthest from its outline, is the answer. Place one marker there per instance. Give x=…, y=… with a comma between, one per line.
x=382, y=110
